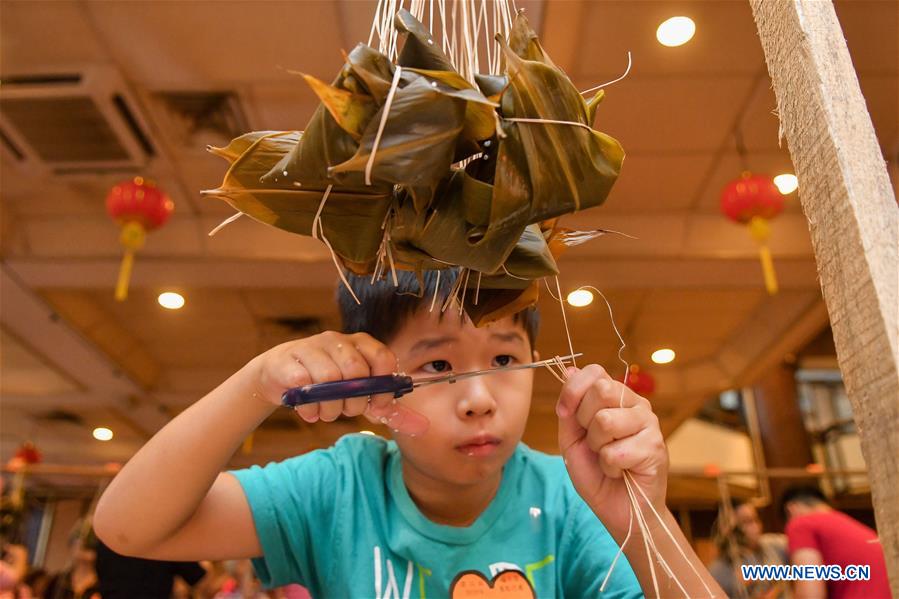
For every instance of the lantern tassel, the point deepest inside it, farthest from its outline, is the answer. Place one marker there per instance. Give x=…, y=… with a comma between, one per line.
x=121, y=288
x=758, y=228
x=768, y=270
x=132, y=238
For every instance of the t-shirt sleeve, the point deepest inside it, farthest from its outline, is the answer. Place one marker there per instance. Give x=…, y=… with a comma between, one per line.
x=290, y=500
x=588, y=551
x=801, y=534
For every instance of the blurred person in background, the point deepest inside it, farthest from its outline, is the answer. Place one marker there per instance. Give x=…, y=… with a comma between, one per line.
x=13, y=568
x=79, y=580
x=122, y=577
x=820, y=535
x=35, y=585
x=741, y=540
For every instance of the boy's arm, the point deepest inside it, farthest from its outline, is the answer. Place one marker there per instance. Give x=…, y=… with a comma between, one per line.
x=171, y=501
x=605, y=429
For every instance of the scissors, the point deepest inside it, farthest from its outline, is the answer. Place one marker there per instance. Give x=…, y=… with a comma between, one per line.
x=397, y=384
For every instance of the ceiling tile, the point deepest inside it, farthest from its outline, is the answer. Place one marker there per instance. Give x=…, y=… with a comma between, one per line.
x=177, y=45
x=73, y=41
x=659, y=183
x=725, y=42
x=674, y=116
x=871, y=28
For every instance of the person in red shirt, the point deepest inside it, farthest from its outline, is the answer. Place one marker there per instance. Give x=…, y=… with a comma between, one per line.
x=818, y=535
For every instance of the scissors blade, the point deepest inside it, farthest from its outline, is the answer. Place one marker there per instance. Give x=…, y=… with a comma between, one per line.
x=453, y=377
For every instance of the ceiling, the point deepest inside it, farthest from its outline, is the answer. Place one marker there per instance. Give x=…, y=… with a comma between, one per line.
x=690, y=281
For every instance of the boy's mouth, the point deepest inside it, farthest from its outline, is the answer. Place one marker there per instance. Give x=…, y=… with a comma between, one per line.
x=481, y=445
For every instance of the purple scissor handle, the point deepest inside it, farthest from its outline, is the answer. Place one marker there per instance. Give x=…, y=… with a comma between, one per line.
x=397, y=384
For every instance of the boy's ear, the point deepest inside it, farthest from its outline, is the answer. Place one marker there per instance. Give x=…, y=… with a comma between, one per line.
x=535, y=355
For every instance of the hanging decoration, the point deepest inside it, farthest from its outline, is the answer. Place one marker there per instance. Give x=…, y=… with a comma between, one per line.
x=25, y=455
x=414, y=160
x=639, y=381
x=753, y=200
x=138, y=206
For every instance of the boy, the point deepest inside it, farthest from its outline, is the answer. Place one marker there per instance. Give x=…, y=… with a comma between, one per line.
x=455, y=503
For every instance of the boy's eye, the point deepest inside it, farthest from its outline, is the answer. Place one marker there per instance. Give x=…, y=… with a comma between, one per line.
x=437, y=366
x=503, y=360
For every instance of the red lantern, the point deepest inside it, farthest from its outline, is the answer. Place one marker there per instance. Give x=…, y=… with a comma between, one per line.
x=640, y=381
x=25, y=455
x=753, y=200
x=138, y=206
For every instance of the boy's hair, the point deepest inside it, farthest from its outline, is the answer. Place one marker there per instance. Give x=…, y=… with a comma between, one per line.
x=384, y=308
x=805, y=494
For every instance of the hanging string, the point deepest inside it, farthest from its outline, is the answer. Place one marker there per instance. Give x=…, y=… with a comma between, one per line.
x=318, y=232
x=607, y=83
x=225, y=223
x=436, y=288
x=461, y=25
x=386, y=110
x=375, y=23
x=565, y=320
x=477, y=289
x=671, y=536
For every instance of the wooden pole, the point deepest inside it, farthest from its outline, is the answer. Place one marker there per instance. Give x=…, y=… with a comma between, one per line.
x=853, y=219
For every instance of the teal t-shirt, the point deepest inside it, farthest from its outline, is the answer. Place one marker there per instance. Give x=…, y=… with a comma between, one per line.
x=341, y=523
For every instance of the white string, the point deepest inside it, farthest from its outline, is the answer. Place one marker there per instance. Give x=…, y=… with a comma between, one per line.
x=387, y=103
x=565, y=320
x=644, y=535
x=225, y=223
x=477, y=290
x=630, y=526
x=436, y=287
x=316, y=221
x=626, y=71
x=375, y=23
x=673, y=540
x=623, y=345
x=318, y=232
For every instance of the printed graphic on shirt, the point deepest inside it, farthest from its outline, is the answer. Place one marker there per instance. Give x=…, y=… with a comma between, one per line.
x=509, y=580
x=509, y=584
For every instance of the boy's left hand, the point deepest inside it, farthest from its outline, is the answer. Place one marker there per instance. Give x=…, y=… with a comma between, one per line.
x=599, y=440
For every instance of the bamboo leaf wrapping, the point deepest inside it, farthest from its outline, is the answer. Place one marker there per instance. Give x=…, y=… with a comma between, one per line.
x=419, y=207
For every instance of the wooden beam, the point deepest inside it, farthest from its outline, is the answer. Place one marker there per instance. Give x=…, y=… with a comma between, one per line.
x=611, y=272
x=854, y=223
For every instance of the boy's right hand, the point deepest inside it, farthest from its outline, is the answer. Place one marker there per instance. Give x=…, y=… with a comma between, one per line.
x=332, y=356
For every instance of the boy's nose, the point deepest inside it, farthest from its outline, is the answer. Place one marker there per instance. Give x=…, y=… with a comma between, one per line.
x=476, y=398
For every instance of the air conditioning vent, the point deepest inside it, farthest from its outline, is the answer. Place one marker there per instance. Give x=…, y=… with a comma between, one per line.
x=64, y=129
x=62, y=416
x=73, y=123
x=205, y=117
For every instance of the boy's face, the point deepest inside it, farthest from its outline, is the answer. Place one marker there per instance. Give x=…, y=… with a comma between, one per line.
x=477, y=422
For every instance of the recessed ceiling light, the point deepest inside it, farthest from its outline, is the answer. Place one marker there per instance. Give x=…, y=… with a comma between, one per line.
x=171, y=300
x=676, y=31
x=580, y=298
x=663, y=356
x=102, y=434
x=786, y=183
